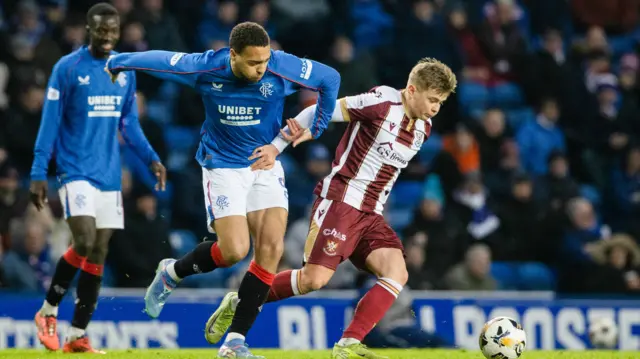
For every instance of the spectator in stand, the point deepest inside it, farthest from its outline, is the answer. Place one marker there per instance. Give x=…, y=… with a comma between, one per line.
x=477, y=211
x=463, y=147
x=28, y=265
x=617, y=16
x=439, y=233
x=474, y=273
x=420, y=278
x=528, y=245
x=538, y=139
x=23, y=120
x=502, y=40
x=260, y=13
x=13, y=201
x=125, y=9
x=628, y=79
x=133, y=37
x=618, y=261
x=74, y=34
x=610, y=130
x=557, y=186
x=626, y=190
x=357, y=72
x=554, y=71
x=215, y=28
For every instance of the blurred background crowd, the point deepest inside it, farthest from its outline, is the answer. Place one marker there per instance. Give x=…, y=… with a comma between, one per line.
x=530, y=180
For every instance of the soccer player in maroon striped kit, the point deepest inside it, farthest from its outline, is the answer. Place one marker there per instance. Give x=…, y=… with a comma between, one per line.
x=387, y=127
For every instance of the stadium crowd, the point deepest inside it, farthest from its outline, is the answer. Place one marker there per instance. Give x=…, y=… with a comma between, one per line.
x=530, y=179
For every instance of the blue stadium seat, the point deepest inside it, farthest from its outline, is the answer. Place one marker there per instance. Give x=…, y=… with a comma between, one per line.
x=520, y=116
x=431, y=148
x=507, y=95
x=473, y=97
x=406, y=194
x=399, y=218
x=182, y=241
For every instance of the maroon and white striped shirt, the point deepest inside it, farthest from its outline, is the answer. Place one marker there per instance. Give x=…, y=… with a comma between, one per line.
x=378, y=143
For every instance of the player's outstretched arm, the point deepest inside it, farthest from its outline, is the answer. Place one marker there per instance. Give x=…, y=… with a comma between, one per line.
x=52, y=113
x=173, y=66
x=134, y=137
x=315, y=76
x=298, y=128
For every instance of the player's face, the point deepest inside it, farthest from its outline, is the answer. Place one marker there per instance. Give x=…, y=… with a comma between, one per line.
x=251, y=63
x=424, y=104
x=104, y=33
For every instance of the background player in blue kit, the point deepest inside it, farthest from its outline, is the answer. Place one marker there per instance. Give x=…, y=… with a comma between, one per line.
x=243, y=89
x=82, y=114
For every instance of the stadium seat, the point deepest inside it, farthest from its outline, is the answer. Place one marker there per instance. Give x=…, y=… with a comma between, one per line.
x=473, y=97
x=518, y=117
x=523, y=276
x=182, y=241
x=430, y=148
x=406, y=194
x=506, y=96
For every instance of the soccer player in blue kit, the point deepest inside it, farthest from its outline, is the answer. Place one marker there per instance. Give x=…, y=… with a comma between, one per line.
x=243, y=89
x=82, y=114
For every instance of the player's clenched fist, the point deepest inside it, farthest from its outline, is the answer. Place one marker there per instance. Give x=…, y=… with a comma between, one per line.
x=265, y=157
x=38, y=193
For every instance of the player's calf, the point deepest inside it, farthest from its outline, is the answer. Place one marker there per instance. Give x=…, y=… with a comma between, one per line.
x=84, y=234
x=389, y=266
x=88, y=290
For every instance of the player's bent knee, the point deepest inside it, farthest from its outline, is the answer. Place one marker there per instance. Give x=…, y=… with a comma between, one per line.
x=314, y=278
x=234, y=254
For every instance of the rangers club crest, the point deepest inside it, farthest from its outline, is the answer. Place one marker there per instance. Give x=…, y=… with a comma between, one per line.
x=122, y=79
x=266, y=89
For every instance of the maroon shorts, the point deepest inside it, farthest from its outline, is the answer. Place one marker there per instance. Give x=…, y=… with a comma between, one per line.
x=338, y=231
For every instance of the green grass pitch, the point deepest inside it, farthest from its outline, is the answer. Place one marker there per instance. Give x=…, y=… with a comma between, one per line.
x=289, y=354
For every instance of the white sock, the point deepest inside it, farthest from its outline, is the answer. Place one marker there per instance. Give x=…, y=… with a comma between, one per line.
x=232, y=336
x=48, y=310
x=347, y=341
x=172, y=272
x=74, y=333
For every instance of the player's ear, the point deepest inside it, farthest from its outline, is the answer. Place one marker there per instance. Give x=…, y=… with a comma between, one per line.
x=233, y=53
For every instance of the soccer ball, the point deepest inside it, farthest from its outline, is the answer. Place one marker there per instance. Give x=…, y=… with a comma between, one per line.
x=502, y=338
x=603, y=333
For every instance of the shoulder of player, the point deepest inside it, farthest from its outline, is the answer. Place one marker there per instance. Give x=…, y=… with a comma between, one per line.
x=381, y=96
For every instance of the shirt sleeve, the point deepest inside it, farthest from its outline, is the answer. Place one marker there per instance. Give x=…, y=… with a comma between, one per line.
x=362, y=107
x=315, y=76
x=130, y=127
x=166, y=65
x=52, y=113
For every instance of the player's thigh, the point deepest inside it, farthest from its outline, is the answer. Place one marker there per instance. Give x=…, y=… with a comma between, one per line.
x=268, y=225
x=79, y=207
x=334, y=233
x=109, y=210
x=225, y=193
x=380, y=251
x=268, y=190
